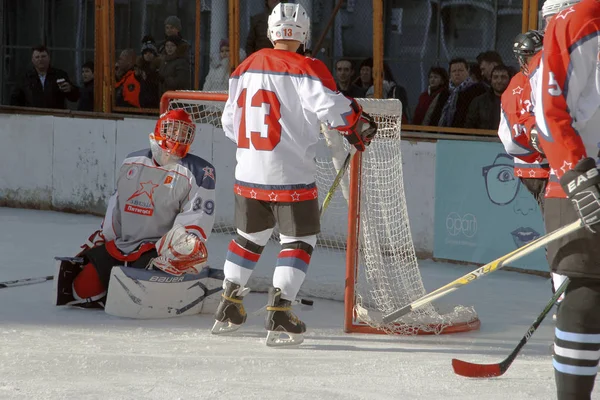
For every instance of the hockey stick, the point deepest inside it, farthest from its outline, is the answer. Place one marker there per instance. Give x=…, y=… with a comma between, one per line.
x=472, y=370
x=484, y=270
x=336, y=182
x=27, y=281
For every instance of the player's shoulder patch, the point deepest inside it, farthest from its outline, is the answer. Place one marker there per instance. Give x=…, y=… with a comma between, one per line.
x=202, y=170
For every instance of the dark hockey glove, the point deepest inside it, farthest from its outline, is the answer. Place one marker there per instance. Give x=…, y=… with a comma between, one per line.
x=582, y=185
x=361, y=134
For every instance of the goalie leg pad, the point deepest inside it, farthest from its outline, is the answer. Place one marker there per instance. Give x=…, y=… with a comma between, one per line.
x=143, y=294
x=87, y=287
x=66, y=272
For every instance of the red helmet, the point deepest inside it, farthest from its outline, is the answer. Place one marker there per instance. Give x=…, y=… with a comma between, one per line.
x=174, y=134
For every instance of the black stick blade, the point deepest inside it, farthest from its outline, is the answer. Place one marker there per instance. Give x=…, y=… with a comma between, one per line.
x=471, y=370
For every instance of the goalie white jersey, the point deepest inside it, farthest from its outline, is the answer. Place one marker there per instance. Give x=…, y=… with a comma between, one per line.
x=150, y=199
x=276, y=100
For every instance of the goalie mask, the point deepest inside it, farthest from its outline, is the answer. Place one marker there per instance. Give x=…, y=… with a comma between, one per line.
x=172, y=137
x=526, y=45
x=288, y=21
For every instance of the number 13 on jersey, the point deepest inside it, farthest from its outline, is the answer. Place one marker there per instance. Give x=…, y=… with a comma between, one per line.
x=271, y=120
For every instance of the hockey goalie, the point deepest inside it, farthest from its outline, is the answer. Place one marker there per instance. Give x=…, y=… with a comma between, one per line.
x=149, y=259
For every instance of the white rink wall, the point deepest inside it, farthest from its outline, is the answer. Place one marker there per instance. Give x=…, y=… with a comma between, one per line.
x=66, y=163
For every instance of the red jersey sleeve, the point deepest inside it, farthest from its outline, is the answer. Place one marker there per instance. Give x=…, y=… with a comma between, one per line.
x=569, y=65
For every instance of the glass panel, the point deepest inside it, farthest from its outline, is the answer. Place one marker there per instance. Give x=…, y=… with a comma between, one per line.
x=66, y=27
x=143, y=26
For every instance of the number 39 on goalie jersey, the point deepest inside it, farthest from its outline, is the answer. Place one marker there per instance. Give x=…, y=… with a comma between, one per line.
x=276, y=100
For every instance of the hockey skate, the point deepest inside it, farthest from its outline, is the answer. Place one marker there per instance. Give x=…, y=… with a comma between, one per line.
x=230, y=314
x=281, y=322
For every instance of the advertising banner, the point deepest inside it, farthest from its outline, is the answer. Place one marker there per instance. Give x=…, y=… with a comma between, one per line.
x=482, y=211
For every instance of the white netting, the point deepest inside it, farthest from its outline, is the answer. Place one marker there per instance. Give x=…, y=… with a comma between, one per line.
x=388, y=276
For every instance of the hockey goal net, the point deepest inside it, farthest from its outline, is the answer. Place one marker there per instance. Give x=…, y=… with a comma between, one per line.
x=365, y=228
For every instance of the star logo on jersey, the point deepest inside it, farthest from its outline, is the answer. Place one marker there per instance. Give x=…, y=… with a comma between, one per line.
x=146, y=188
x=209, y=172
x=253, y=194
x=566, y=166
x=295, y=196
x=532, y=174
x=272, y=196
x=563, y=14
x=517, y=90
x=519, y=173
x=315, y=193
x=239, y=191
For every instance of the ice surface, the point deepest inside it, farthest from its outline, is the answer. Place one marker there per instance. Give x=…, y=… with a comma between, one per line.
x=60, y=353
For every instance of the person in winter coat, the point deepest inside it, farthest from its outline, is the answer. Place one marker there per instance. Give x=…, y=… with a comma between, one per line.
x=484, y=111
x=437, y=93
x=218, y=74
x=86, y=99
x=174, y=72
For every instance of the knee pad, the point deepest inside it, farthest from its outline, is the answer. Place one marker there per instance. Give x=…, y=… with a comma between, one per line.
x=249, y=245
x=87, y=286
x=310, y=240
x=298, y=245
x=259, y=238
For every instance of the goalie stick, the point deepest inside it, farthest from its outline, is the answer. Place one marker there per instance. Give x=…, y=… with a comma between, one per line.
x=26, y=281
x=484, y=270
x=472, y=370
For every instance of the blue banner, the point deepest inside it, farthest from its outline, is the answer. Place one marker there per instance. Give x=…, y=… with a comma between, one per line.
x=482, y=211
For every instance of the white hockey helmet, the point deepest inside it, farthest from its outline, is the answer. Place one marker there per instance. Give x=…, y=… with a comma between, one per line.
x=288, y=21
x=552, y=7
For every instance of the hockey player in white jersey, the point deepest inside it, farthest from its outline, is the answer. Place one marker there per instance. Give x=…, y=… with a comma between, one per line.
x=276, y=100
x=159, y=216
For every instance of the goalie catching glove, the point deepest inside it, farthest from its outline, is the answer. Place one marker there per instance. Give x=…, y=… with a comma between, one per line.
x=180, y=252
x=363, y=131
x=582, y=185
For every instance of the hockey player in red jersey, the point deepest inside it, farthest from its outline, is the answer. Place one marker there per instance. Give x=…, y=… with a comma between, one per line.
x=276, y=100
x=159, y=216
x=518, y=119
x=568, y=119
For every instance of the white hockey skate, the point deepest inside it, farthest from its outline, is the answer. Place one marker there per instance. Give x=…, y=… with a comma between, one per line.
x=284, y=328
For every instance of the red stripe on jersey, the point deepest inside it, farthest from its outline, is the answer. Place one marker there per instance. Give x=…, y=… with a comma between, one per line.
x=564, y=147
x=242, y=252
x=281, y=62
x=285, y=196
x=296, y=253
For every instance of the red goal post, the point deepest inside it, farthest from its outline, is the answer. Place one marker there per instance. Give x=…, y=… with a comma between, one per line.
x=366, y=223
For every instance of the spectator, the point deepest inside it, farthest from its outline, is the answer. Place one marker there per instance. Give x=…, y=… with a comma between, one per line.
x=484, y=111
x=218, y=74
x=86, y=100
x=43, y=86
x=146, y=72
x=462, y=92
x=127, y=88
x=430, y=100
x=475, y=73
x=173, y=28
x=257, y=36
x=365, y=75
x=487, y=61
x=344, y=71
x=174, y=71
